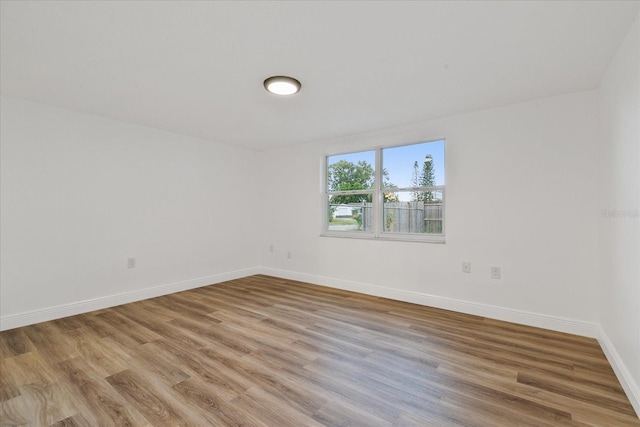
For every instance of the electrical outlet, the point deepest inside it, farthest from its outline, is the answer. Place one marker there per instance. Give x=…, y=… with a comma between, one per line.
x=271, y=248
x=495, y=272
x=131, y=263
x=288, y=255
x=466, y=267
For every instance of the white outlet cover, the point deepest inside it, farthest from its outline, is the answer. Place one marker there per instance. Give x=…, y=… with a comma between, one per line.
x=466, y=267
x=495, y=272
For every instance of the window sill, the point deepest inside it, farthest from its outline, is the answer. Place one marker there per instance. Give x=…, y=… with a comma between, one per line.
x=440, y=239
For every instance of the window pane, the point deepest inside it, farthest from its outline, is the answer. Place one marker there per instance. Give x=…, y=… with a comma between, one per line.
x=408, y=204
x=413, y=166
x=355, y=171
x=350, y=216
x=423, y=216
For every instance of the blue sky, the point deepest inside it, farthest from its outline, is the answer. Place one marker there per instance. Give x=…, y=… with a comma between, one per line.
x=398, y=161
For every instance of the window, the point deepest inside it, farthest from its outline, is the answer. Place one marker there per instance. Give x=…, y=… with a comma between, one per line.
x=387, y=193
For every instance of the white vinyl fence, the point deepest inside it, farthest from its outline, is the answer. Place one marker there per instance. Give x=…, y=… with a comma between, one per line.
x=400, y=217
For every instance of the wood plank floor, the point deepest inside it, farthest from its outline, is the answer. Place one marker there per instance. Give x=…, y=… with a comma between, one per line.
x=262, y=351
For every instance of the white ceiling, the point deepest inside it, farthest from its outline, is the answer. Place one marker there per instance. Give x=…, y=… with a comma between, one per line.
x=197, y=67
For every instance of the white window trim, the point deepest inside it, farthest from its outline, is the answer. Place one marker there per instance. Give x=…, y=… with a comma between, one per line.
x=377, y=233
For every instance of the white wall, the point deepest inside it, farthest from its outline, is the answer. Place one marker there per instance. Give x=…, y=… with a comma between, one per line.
x=619, y=161
x=81, y=194
x=521, y=194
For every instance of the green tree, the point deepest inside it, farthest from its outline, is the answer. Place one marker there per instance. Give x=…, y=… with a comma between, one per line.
x=386, y=183
x=427, y=178
x=415, y=181
x=428, y=175
x=345, y=176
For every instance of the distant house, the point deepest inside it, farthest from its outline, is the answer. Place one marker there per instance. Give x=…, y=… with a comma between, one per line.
x=343, y=211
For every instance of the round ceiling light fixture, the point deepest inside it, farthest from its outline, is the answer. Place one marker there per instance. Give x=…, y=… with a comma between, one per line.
x=282, y=85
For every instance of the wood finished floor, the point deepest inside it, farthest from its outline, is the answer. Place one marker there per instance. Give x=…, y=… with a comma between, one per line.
x=262, y=351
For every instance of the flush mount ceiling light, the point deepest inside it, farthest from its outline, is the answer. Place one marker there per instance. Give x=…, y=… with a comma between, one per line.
x=282, y=85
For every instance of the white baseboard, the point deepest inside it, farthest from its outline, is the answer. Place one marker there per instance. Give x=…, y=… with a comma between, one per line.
x=71, y=309
x=494, y=312
x=554, y=323
x=630, y=386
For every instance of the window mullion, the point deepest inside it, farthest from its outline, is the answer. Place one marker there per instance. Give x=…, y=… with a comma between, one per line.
x=426, y=188
x=347, y=192
x=378, y=196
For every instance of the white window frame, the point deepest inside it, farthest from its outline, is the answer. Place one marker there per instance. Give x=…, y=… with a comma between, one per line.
x=377, y=197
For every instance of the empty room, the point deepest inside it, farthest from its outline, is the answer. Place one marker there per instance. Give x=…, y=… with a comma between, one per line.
x=320, y=213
